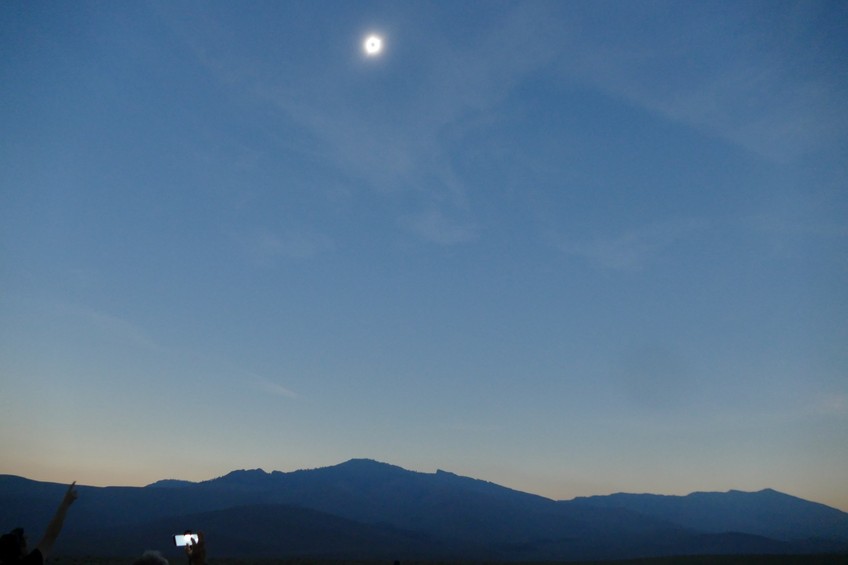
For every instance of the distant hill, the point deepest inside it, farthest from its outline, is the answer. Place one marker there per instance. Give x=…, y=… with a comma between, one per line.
x=766, y=513
x=363, y=509
x=170, y=483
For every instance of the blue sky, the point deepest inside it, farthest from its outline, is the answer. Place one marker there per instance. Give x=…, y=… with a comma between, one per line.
x=572, y=248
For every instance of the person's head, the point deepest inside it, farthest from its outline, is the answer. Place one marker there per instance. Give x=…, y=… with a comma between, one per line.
x=151, y=558
x=13, y=546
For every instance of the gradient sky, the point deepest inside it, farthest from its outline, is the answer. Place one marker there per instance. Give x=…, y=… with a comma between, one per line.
x=573, y=248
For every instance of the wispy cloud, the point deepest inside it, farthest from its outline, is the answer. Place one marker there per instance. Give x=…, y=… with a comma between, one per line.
x=633, y=249
x=759, y=111
x=472, y=428
x=432, y=225
x=656, y=377
x=267, y=386
x=796, y=223
x=833, y=404
x=399, y=146
x=792, y=223
x=703, y=72
x=266, y=246
x=113, y=326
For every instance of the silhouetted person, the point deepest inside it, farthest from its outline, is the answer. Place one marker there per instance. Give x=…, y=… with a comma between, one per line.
x=197, y=551
x=13, y=546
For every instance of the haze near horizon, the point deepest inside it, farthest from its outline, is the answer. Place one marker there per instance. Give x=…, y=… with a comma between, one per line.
x=570, y=248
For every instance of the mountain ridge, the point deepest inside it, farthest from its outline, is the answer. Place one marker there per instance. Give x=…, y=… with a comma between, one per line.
x=363, y=508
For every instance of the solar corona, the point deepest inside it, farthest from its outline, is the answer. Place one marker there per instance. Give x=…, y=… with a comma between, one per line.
x=373, y=45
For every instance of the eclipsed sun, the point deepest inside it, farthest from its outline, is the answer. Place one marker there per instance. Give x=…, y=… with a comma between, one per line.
x=373, y=45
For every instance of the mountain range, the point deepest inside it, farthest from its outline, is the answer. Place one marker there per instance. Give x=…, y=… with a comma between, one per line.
x=364, y=509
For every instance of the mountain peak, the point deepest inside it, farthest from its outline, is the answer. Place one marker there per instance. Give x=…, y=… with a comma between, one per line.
x=362, y=507
x=365, y=462
x=248, y=472
x=371, y=467
x=771, y=491
x=243, y=476
x=169, y=483
x=362, y=465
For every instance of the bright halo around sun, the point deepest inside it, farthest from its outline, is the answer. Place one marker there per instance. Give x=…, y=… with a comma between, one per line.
x=373, y=45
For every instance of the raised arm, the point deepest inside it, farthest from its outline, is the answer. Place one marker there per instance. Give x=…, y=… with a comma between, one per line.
x=55, y=525
x=197, y=551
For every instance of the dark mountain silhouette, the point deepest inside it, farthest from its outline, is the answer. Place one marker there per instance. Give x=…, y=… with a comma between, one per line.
x=767, y=512
x=170, y=483
x=259, y=531
x=364, y=509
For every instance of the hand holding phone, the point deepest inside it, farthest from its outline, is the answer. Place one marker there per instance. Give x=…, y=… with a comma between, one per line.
x=188, y=538
x=196, y=549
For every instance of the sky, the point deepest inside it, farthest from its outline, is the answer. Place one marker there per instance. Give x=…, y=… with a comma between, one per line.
x=572, y=248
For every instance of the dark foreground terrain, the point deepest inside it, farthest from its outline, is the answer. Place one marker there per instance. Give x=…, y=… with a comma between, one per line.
x=379, y=513
x=831, y=559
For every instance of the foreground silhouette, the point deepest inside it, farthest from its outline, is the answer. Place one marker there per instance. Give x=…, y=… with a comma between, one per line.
x=13, y=546
x=196, y=552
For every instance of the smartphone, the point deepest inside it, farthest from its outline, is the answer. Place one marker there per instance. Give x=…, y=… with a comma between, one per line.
x=182, y=540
